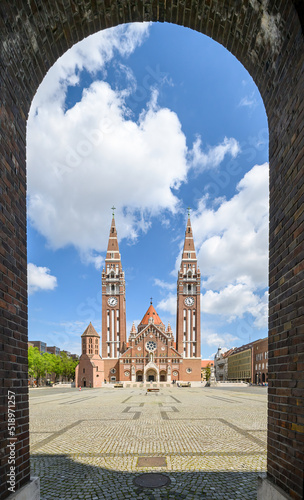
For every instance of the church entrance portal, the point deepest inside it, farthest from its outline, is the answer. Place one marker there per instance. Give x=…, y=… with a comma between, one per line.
x=151, y=376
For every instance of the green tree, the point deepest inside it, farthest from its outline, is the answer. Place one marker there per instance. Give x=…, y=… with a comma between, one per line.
x=36, y=363
x=208, y=372
x=48, y=360
x=57, y=367
x=68, y=366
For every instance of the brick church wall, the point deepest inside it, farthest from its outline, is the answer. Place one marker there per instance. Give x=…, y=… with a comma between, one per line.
x=33, y=36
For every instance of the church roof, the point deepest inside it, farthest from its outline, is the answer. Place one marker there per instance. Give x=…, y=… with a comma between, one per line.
x=151, y=313
x=90, y=331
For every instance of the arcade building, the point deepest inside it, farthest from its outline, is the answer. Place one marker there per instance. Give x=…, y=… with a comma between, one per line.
x=150, y=354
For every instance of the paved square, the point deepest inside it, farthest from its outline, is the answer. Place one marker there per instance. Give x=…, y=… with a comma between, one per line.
x=86, y=445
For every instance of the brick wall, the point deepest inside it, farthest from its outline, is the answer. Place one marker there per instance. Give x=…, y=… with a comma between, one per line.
x=33, y=35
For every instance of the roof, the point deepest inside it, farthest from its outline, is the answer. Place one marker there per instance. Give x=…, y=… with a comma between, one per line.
x=90, y=331
x=151, y=313
x=227, y=353
x=206, y=362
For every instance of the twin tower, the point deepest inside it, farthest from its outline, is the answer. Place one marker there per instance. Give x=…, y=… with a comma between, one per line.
x=151, y=353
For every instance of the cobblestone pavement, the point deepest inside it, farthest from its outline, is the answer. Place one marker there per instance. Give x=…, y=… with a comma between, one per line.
x=92, y=444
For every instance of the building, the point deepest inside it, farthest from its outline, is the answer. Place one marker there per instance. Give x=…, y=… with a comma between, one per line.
x=205, y=363
x=249, y=362
x=90, y=370
x=260, y=361
x=221, y=364
x=41, y=346
x=53, y=350
x=150, y=354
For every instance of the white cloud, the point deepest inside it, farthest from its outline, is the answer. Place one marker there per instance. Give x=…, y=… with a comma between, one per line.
x=232, y=240
x=248, y=101
x=216, y=339
x=39, y=278
x=236, y=300
x=92, y=54
x=164, y=285
x=201, y=160
x=83, y=160
x=168, y=304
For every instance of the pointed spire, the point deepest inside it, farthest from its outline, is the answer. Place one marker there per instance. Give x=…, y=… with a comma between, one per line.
x=189, y=247
x=133, y=329
x=113, y=248
x=169, y=329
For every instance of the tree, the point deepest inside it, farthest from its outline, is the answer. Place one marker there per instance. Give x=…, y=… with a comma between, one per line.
x=36, y=363
x=49, y=362
x=57, y=367
x=68, y=366
x=208, y=372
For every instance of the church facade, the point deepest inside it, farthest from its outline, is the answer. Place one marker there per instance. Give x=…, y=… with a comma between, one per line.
x=150, y=353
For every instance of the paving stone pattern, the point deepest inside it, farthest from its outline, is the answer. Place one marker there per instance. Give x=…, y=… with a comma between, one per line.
x=87, y=445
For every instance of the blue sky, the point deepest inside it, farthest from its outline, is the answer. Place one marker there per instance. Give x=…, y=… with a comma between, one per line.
x=152, y=118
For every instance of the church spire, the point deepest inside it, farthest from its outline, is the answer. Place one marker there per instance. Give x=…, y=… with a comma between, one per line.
x=189, y=248
x=113, y=249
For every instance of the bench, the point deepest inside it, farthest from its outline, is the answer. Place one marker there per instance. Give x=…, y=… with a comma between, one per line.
x=185, y=384
x=152, y=389
x=118, y=385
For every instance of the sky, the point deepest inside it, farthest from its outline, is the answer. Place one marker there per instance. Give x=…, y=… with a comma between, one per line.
x=150, y=118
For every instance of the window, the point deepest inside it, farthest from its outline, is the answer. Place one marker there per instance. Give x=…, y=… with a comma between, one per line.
x=113, y=379
x=189, y=255
x=83, y=370
x=189, y=370
x=113, y=370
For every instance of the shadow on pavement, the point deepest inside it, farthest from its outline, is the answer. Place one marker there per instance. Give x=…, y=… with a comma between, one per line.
x=64, y=478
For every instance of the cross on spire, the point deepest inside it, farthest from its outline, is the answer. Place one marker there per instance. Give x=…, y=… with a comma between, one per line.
x=113, y=208
x=188, y=211
x=151, y=298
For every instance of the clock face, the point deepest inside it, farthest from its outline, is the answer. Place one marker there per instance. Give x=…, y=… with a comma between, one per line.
x=112, y=301
x=189, y=301
x=151, y=346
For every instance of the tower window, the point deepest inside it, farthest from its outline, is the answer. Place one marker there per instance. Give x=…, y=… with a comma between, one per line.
x=189, y=255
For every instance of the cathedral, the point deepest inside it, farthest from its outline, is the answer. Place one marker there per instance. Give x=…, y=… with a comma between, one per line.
x=150, y=354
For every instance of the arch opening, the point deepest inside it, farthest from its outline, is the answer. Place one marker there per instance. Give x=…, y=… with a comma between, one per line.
x=263, y=55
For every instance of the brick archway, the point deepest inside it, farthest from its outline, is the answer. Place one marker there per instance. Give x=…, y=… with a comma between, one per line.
x=267, y=37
